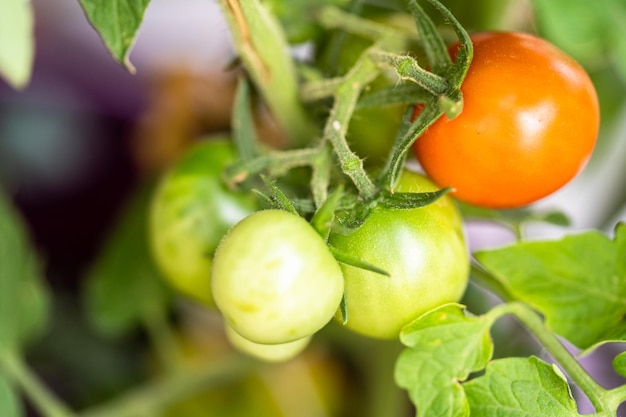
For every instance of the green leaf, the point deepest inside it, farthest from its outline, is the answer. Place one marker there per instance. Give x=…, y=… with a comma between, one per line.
x=322, y=220
x=578, y=283
x=10, y=405
x=399, y=201
x=123, y=286
x=458, y=70
x=346, y=258
x=409, y=132
x=431, y=40
x=619, y=364
x=583, y=29
x=277, y=198
x=519, y=387
x=444, y=346
x=117, y=22
x=24, y=300
x=17, y=44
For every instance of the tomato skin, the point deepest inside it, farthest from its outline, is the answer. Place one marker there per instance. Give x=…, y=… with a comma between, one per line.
x=529, y=124
x=191, y=211
x=274, y=279
x=270, y=353
x=423, y=250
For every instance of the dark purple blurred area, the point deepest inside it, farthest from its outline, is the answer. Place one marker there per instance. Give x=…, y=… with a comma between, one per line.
x=64, y=148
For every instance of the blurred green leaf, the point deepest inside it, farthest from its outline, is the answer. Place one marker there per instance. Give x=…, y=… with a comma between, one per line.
x=578, y=283
x=123, y=286
x=619, y=364
x=117, y=22
x=520, y=387
x=592, y=32
x=10, y=405
x=297, y=17
x=444, y=346
x=23, y=298
x=17, y=44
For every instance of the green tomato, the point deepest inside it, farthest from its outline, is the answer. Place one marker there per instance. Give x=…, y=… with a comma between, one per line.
x=423, y=250
x=270, y=353
x=191, y=211
x=274, y=279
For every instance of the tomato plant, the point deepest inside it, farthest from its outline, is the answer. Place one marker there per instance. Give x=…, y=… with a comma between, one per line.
x=423, y=250
x=274, y=279
x=342, y=296
x=529, y=124
x=191, y=211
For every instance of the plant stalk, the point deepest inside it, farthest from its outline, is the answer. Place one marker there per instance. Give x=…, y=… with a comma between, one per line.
x=151, y=399
x=597, y=394
x=346, y=97
x=36, y=391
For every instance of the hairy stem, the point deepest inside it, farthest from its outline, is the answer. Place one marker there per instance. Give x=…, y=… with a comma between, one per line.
x=346, y=97
x=408, y=69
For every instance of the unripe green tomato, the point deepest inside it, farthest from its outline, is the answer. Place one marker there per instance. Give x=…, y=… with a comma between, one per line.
x=271, y=353
x=274, y=279
x=191, y=211
x=424, y=251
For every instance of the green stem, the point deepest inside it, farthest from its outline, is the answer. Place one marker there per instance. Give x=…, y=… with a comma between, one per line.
x=151, y=399
x=36, y=391
x=163, y=340
x=320, y=89
x=617, y=396
x=277, y=163
x=385, y=397
x=597, y=394
x=486, y=280
x=264, y=51
x=408, y=69
x=346, y=97
x=334, y=18
x=320, y=178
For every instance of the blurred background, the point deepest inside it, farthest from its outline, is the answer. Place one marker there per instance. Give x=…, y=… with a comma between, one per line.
x=82, y=145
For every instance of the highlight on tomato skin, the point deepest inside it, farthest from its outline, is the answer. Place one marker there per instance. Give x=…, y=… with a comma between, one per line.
x=529, y=124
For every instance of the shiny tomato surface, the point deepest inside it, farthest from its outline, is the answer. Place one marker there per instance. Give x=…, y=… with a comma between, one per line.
x=529, y=124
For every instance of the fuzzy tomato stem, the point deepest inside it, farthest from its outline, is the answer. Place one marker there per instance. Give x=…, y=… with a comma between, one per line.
x=346, y=97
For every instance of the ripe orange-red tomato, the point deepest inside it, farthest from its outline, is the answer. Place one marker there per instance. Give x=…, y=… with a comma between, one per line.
x=529, y=124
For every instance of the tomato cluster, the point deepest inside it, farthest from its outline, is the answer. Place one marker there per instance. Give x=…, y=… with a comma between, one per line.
x=528, y=125
x=273, y=277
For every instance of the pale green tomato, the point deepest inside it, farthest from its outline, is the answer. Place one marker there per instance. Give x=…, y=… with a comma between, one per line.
x=191, y=211
x=271, y=353
x=424, y=251
x=274, y=279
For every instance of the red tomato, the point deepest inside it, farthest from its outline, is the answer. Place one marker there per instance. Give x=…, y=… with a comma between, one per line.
x=529, y=124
